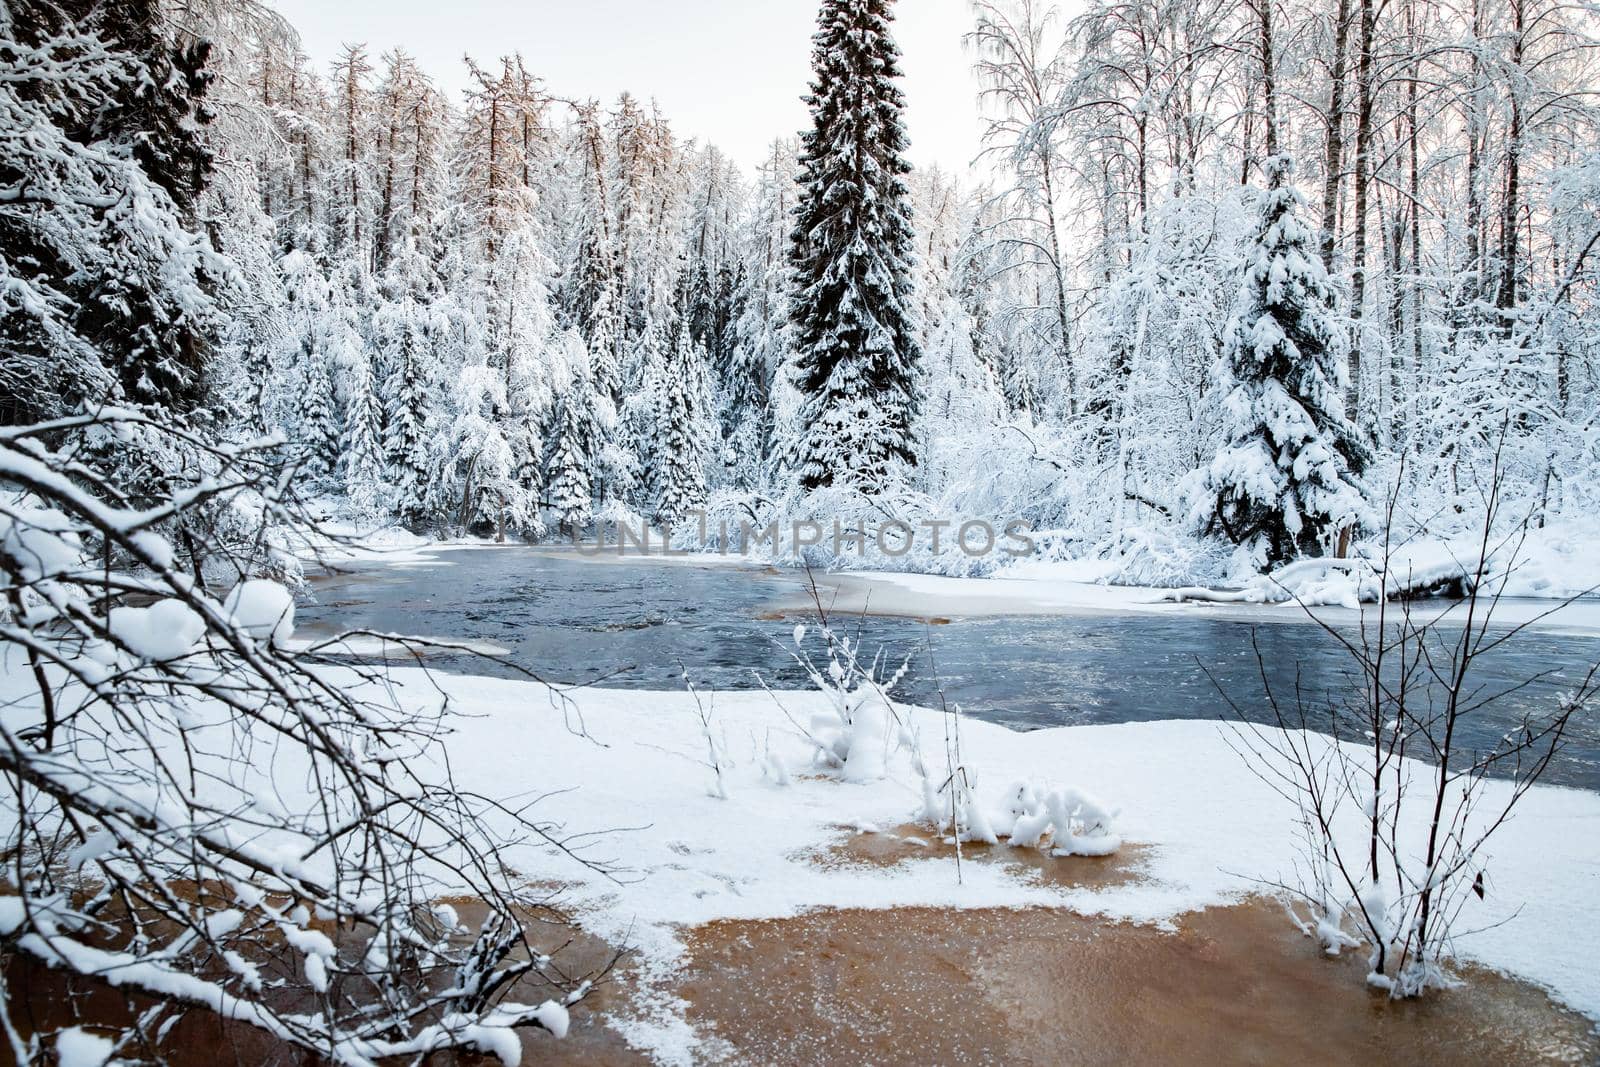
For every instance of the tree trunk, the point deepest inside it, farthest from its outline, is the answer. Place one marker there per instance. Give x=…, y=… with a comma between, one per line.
x=1506, y=291
x=1414, y=200
x=351, y=99
x=466, y=496
x=1358, y=265
x=1333, y=144
x=381, y=247
x=1058, y=270
x=1269, y=77
x=1475, y=147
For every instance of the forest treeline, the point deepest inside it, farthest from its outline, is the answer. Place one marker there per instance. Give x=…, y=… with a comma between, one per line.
x=1233, y=269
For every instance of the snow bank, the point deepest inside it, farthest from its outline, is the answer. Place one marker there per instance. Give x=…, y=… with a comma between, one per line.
x=1210, y=827
x=1145, y=565
x=1068, y=588
x=343, y=538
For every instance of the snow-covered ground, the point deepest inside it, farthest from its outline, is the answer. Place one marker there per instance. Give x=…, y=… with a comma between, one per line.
x=633, y=790
x=1070, y=588
x=1210, y=828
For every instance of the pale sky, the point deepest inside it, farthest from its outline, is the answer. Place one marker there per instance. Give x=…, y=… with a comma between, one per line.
x=727, y=71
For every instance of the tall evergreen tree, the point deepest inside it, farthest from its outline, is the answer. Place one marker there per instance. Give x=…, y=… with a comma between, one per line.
x=407, y=400
x=856, y=351
x=1289, y=472
x=682, y=432
x=575, y=441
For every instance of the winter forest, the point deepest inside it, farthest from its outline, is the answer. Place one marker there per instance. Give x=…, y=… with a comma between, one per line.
x=483, y=567
x=1240, y=271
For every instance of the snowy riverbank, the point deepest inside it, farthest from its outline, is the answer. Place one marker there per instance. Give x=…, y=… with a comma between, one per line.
x=623, y=779
x=1207, y=830
x=1063, y=589
x=1549, y=575
x=1550, y=580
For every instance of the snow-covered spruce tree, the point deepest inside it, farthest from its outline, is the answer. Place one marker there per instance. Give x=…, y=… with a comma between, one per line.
x=569, y=477
x=303, y=401
x=762, y=329
x=855, y=352
x=641, y=407
x=1288, y=476
x=591, y=291
x=407, y=330
x=502, y=152
x=594, y=297
x=361, y=455
x=683, y=432
x=319, y=426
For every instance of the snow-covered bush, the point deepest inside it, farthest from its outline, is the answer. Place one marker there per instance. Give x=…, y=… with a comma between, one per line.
x=158, y=854
x=1148, y=555
x=1066, y=821
x=861, y=726
x=1390, y=801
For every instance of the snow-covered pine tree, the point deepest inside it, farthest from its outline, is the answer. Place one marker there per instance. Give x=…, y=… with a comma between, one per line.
x=640, y=413
x=575, y=440
x=351, y=173
x=162, y=346
x=1288, y=476
x=592, y=291
x=504, y=139
x=856, y=352
x=407, y=399
x=407, y=331
x=302, y=401
x=762, y=328
x=683, y=432
x=713, y=280
x=319, y=422
x=361, y=458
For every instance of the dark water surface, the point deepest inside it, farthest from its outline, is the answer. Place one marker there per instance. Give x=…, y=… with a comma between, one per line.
x=637, y=624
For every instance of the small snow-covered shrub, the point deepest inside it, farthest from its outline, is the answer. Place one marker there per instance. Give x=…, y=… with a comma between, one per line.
x=1079, y=825
x=1067, y=821
x=861, y=726
x=717, y=758
x=953, y=807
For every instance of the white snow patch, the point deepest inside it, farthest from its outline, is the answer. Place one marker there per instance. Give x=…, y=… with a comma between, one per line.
x=165, y=630
x=76, y=1047
x=263, y=608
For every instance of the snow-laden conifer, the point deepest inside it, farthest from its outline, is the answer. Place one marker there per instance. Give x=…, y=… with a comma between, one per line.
x=851, y=253
x=1288, y=476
